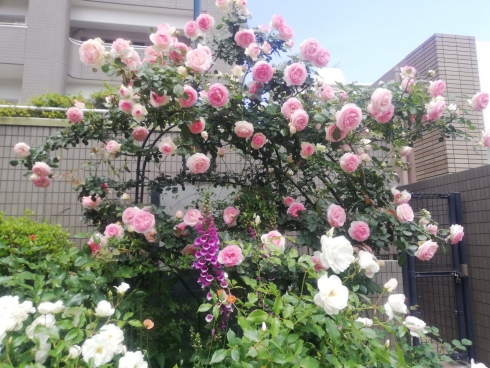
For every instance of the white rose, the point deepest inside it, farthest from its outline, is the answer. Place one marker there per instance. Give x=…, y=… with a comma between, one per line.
x=104, y=309
x=395, y=304
x=332, y=296
x=415, y=325
x=367, y=322
x=182, y=70
x=121, y=289
x=74, y=351
x=133, y=360
x=320, y=147
x=237, y=71
x=337, y=253
x=391, y=285
x=179, y=214
x=48, y=307
x=98, y=349
x=47, y=321
x=477, y=365
x=113, y=335
x=367, y=263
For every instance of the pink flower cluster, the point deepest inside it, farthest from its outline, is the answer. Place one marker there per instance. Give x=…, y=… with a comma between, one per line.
x=41, y=172
x=278, y=23
x=312, y=51
x=230, y=216
x=295, y=209
x=138, y=220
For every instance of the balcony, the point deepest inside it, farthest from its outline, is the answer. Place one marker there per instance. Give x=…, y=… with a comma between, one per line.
x=12, y=43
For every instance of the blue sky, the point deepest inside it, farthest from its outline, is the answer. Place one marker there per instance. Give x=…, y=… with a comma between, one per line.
x=366, y=38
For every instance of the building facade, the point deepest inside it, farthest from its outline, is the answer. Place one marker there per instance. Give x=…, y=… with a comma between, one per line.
x=39, y=39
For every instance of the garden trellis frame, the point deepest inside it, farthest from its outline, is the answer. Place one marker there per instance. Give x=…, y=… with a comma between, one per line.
x=440, y=288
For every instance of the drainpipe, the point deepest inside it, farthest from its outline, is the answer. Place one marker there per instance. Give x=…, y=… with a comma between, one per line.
x=197, y=8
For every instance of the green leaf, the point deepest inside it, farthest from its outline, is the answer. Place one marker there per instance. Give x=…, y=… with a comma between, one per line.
x=14, y=163
x=128, y=315
x=204, y=307
x=278, y=304
x=309, y=362
x=218, y=356
x=466, y=342
x=179, y=90
x=370, y=334
x=72, y=334
x=252, y=335
x=135, y=323
x=235, y=354
x=232, y=339
x=257, y=316
x=332, y=331
x=288, y=324
x=401, y=357
x=275, y=326
x=252, y=298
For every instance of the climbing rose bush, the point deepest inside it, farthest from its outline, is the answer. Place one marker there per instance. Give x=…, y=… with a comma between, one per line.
x=313, y=157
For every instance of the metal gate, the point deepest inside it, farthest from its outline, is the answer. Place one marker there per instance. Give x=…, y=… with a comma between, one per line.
x=440, y=287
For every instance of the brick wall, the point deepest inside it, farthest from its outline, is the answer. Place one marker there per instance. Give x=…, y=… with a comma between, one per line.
x=474, y=186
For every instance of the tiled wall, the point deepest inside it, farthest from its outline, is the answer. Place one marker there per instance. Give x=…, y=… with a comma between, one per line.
x=12, y=44
x=474, y=186
x=172, y=4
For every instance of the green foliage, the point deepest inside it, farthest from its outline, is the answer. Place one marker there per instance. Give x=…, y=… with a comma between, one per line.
x=35, y=240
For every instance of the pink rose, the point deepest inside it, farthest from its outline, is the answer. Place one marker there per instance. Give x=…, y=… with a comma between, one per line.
x=252, y=50
x=263, y=28
x=143, y=222
x=205, y=22
x=435, y=109
x=22, y=150
x=406, y=151
x=336, y=216
x=479, y=101
x=291, y=105
x=359, y=230
x=156, y=100
x=426, y=251
x=274, y=241
x=198, y=126
x=41, y=169
x=128, y=215
x=178, y=52
x=230, y=256
x=96, y=242
x=407, y=85
x=365, y=157
x=192, y=217
x=126, y=106
x=404, y=212
x=121, y=48
x=295, y=74
x=162, y=40
x=326, y=93
x=189, y=250
x=408, y=71
x=307, y=149
x=253, y=88
x=437, y=88
x=431, y=229
x=349, y=162
x=223, y=5
x=277, y=22
x=345, y=148
x=456, y=233
x=89, y=202
x=349, y=117
x=400, y=197
x=258, y=141
x=200, y=59
x=266, y=48
x=42, y=182
x=113, y=147
x=105, y=187
x=295, y=208
x=384, y=116
x=288, y=201
x=230, y=215
x=167, y=146
x=299, y=120
x=221, y=151
x=244, y=37
x=286, y=33
x=151, y=236
x=191, y=30
x=114, y=230
x=139, y=112
x=309, y=49
x=262, y=72
x=74, y=114
x=322, y=58
x=380, y=100
x=91, y=53
x=191, y=97
x=331, y=129
x=140, y=133
x=317, y=262
x=244, y=129
x=198, y=163
x=218, y=95
x=485, y=139
x=152, y=55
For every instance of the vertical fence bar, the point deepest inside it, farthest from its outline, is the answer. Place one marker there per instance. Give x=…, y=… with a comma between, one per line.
x=460, y=313
x=465, y=280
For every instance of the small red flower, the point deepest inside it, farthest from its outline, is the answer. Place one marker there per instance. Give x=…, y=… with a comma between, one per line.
x=32, y=237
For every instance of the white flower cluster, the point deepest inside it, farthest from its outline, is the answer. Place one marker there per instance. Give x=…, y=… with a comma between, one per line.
x=100, y=348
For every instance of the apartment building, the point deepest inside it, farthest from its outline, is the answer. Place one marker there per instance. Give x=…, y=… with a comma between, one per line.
x=39, y=39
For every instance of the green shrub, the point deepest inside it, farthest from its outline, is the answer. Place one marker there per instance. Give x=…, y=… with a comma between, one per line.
x=37, y=239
